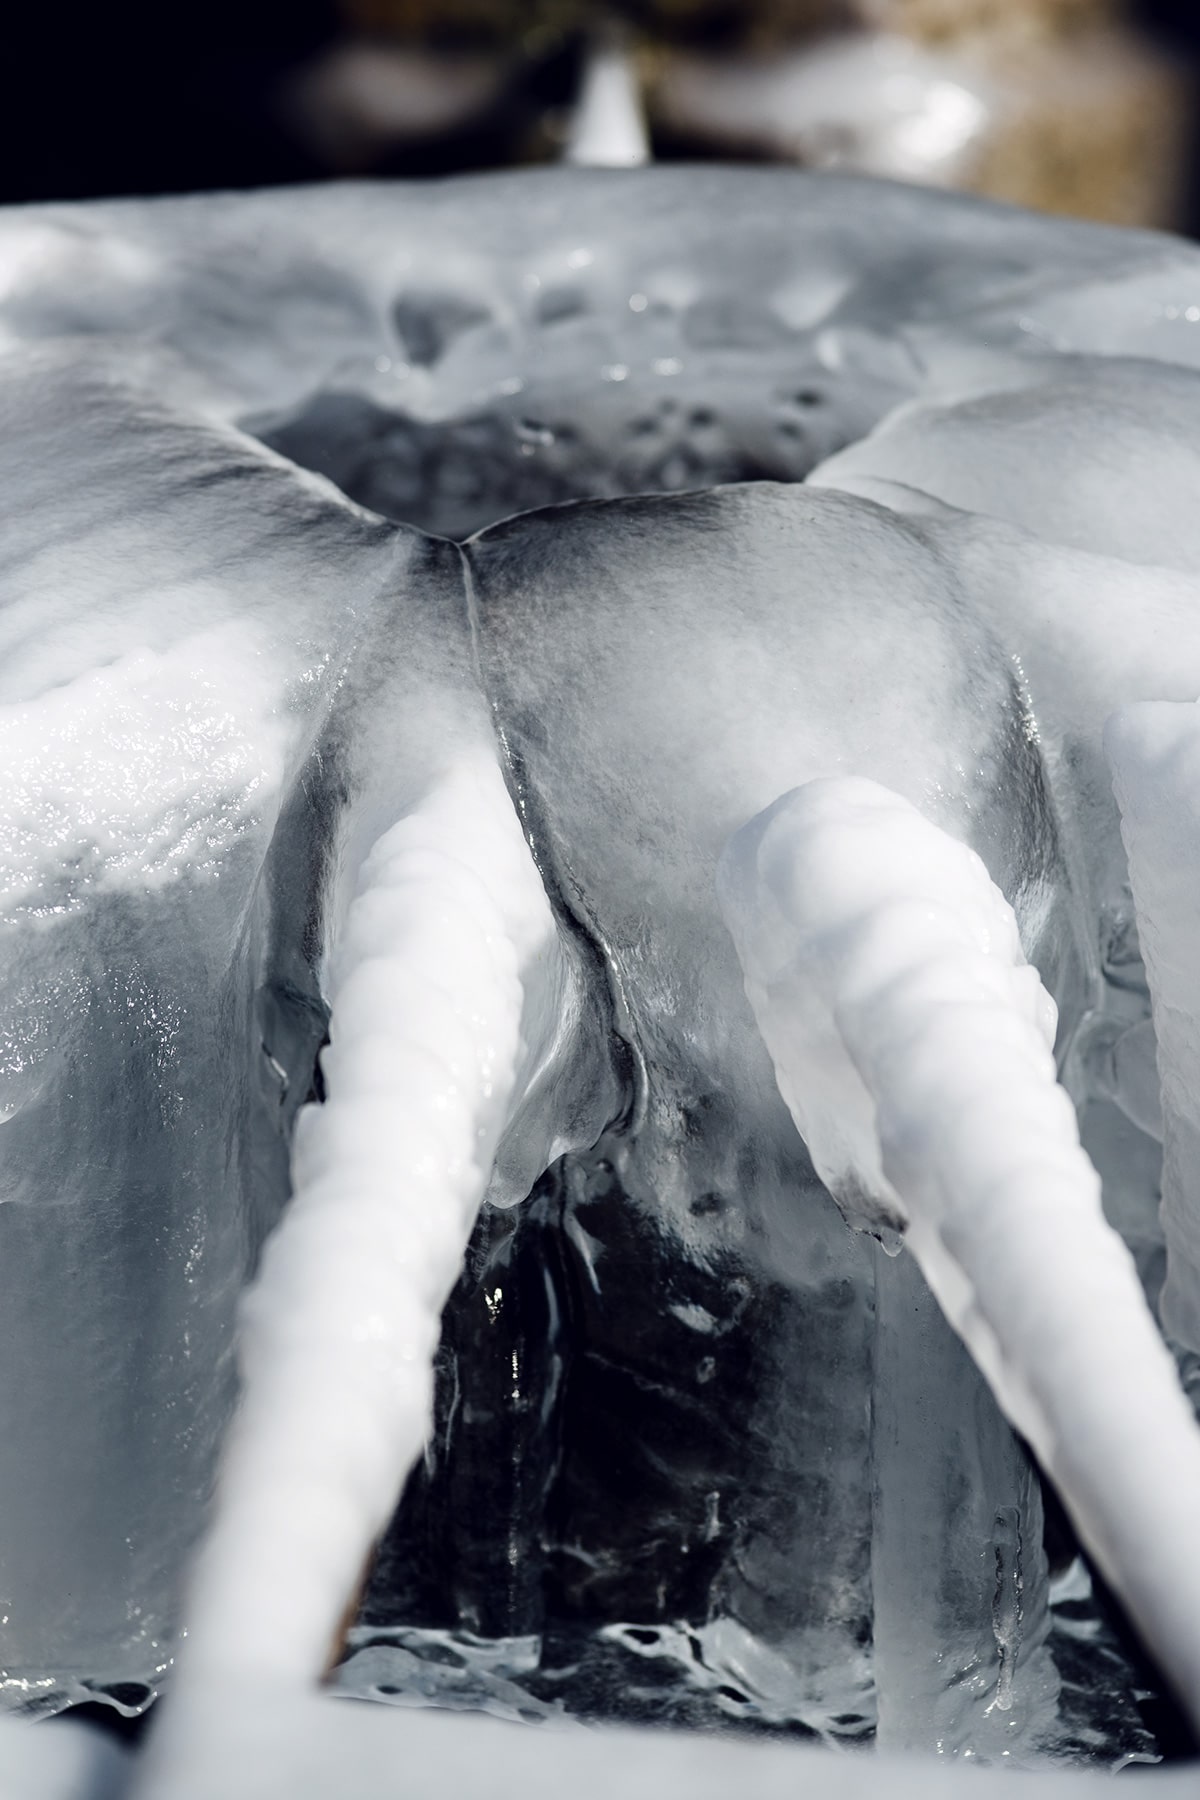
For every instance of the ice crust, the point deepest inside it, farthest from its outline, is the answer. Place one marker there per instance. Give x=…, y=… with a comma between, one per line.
x=230, y=669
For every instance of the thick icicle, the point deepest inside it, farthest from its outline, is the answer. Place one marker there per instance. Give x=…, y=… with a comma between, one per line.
x=426, y=984
x=1154, y=751
x=886, y=975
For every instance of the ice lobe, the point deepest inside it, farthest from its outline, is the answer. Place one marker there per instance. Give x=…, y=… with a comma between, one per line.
x=1066, y=505
x=450, y=354
x=879, y=955
x=1154, y=750
x=1119, y=436
x=165, y=660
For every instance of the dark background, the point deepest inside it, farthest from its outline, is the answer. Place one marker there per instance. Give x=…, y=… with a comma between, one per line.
x=141, y=98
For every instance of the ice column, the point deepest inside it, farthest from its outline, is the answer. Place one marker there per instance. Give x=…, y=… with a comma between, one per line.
x=426, y=989
x=886, y=975
x=958, y=1568
x=1154, y=750
x=608, y=130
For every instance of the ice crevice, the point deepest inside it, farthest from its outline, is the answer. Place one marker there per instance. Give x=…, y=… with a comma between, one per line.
x=913, y=1046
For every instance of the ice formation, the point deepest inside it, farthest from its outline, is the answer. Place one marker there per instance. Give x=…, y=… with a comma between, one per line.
x=913, y=1045
x=1153, y=750
x=358, y=892
x=447, y=931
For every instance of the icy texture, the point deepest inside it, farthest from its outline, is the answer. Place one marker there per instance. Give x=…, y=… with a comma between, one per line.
x=1122, y=436
x=301, y=1747
x=879, y=954
x=608, y=710
x=679, y=1418
x=1154, y=749
x=141, y=1115
x=340, y=1328
x=450, y=353
x=1089, y=478
x=958, y=1569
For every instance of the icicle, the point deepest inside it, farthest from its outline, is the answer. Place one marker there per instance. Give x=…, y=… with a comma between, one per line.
x=880, y=958
x=426, y=989
x=1154, y=751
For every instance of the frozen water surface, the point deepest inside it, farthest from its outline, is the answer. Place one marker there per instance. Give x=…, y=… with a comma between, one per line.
x=358, y=897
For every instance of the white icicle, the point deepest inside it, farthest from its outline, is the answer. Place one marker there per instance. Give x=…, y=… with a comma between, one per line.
x=1154, y=751
x=426, y=986
x=885, y=971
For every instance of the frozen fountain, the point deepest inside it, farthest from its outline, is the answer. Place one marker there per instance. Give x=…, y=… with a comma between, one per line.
x=559, y=863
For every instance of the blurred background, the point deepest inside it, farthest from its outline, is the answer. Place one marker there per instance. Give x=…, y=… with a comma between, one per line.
x=1077, y=106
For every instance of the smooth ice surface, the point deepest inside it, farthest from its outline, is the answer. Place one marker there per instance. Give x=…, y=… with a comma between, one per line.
x=1154, y=750
x=883, y=964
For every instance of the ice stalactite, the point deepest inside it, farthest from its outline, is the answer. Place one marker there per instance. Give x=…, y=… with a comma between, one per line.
x=879, y=955
x=1154, y=750
x=426, y=989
